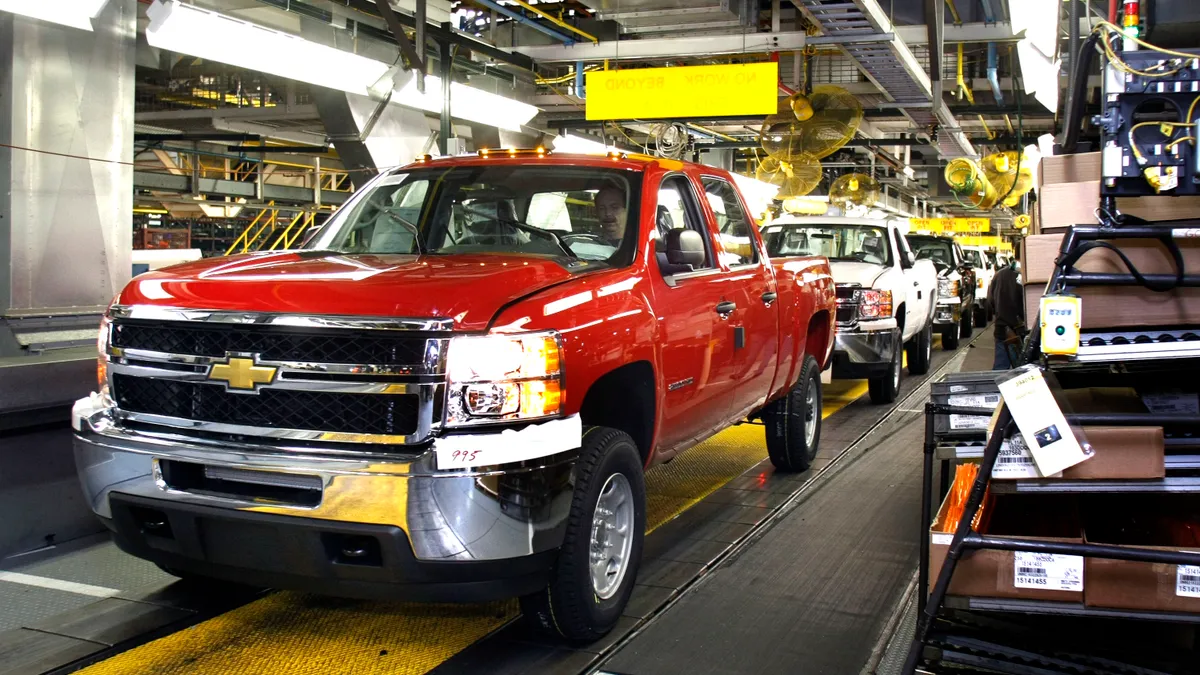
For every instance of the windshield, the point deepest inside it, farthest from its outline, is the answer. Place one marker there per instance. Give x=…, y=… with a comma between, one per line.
x=852, y=243
x=972, y=256
x=940, y=251
x=575, y=213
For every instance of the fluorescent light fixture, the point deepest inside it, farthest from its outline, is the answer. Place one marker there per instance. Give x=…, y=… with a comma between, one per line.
x=209, y=35
x=73, y=13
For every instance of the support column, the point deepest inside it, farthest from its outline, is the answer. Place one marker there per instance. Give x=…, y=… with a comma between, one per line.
x=65, y=222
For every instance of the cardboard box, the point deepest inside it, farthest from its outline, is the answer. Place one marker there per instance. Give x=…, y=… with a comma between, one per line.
x=1124, y=306
x=1121, y=452
x=1142, y=521
x=1075, y=168
x=992, y=574
x=1147, y=255
x=1065, y=204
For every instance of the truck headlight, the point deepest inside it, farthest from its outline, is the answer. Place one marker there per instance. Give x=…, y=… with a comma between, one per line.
x=947, y=288
x=102, y=354
x=503, y=377
x=874, y=304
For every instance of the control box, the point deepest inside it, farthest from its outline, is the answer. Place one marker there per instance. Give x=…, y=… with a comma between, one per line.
x=1148, y=142
x=1060, y=321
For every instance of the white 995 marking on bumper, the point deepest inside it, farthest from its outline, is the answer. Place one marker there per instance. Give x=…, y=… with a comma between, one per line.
x=463, y=451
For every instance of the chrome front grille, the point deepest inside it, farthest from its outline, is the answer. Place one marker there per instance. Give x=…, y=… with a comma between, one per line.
x=847, y=304
x=317, y=379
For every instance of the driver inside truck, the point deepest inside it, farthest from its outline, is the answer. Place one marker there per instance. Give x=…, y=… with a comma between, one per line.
x=611, y=212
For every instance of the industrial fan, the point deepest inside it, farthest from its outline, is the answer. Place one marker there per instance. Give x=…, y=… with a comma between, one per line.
x=794, y=179
x=1001, y=169
x=854, y=189
x=815, y=125
x=970, y=184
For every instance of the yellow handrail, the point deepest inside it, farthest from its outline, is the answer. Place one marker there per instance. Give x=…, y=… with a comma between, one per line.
x=245, y=239
x=283, y=237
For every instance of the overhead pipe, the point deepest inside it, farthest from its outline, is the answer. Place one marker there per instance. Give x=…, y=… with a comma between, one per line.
x=989, y=14
x=521, y=18
x=993, y=73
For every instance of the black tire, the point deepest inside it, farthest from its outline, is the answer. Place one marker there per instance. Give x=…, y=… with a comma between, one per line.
x=790, y=421
x=981, y=316
x=950, y=338
x=967, y=326
x=920, y=352
x=569, y=607
x=885, y=388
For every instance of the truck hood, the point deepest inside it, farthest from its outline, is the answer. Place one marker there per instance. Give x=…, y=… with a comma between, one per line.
x=860, y=273
x=470, y=289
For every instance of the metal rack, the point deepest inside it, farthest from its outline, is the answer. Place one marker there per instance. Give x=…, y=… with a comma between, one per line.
x=967, y=539
x=1103, y=356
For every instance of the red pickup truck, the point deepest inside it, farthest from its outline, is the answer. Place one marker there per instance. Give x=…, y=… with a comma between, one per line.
x=452, y=390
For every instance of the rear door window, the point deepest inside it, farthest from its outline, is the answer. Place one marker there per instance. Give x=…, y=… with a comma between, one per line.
x=733, y=225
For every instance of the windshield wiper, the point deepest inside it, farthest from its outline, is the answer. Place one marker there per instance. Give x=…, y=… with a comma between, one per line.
x=524, y=227
x=416, y=233
x=554, y=236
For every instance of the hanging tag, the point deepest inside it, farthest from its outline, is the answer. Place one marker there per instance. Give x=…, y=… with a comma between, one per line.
x=1041, y=422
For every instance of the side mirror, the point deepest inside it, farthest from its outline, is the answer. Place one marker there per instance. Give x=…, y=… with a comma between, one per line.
x=685, y=247
x=906, y=260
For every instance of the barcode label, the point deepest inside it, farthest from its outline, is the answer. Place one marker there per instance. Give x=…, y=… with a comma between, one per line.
x=974, y=400
x=1187, y=581
x=1048, y=571
x=958, y=422
x=1014, y=461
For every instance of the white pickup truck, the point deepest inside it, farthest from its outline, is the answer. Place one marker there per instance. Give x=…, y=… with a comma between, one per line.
x=886, y=297
x=984, y=262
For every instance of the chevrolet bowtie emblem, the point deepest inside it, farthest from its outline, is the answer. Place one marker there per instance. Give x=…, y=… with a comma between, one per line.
x=242, y=373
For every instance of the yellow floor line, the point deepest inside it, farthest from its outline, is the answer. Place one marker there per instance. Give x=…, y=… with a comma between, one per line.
x=289, y=632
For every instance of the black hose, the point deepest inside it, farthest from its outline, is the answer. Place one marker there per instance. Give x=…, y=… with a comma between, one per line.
x=1078, y=102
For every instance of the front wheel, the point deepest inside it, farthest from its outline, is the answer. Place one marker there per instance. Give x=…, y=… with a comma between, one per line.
x=885, y=388
x=967, y=326
x=793, y=423
x=597, y=565
x=950, y=337
x=920, y=352
x=981, y=316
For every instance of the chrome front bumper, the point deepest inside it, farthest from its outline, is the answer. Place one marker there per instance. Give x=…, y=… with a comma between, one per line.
x=948, y=312
x=862, y=354
x=447, y=515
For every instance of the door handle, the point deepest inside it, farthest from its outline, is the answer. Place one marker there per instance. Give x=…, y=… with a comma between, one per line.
x=724, y=309
x=769, y=297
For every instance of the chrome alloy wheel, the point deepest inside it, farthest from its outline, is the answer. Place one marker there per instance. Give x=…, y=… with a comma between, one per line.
x=612, y=536
x=812, y=412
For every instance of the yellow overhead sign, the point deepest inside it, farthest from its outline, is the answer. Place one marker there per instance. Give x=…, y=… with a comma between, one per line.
x=991, y=242
x=951, y=224
x=683, y=91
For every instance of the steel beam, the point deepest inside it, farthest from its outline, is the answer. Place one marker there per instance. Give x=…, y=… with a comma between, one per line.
x=149, y=180
x=652, y=48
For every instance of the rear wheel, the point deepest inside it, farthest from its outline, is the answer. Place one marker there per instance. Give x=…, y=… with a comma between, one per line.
x=597, y=565
x=793, y=423
x=885, y=388
x=920, y=352
x=950, y=337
